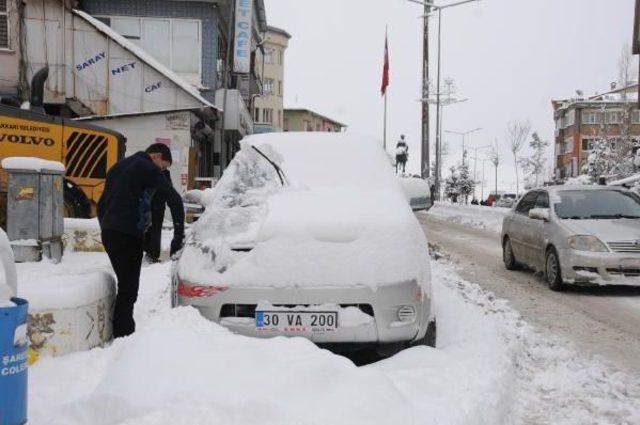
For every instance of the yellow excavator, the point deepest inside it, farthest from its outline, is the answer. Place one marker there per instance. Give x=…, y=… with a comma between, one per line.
x=87, y=151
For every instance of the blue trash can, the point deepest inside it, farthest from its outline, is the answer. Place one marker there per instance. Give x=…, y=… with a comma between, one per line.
x=13, y=363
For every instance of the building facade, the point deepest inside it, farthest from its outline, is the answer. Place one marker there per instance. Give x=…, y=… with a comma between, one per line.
x=268, y=111
x=303, y=119
x=613, y=116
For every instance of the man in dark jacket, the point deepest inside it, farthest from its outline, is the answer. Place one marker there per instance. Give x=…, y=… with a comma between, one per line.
x=124, y=213
x=153, y=235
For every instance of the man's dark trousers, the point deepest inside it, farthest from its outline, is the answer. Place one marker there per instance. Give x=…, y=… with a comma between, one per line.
x=125, y=253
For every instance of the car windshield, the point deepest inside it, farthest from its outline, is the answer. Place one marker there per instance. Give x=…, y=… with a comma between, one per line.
x=597, y=204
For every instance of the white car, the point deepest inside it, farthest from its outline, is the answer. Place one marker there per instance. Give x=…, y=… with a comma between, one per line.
x=310, y=234
x=580, y=235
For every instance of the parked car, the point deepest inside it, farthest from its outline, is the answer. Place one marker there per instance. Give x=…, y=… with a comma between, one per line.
x=506, y=200
x=310, y=234
x=582, y=235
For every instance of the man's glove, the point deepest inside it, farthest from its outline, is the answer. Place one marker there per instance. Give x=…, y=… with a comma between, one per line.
x=176, y=244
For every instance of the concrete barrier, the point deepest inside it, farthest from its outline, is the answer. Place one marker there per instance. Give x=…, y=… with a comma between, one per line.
x=69, y=313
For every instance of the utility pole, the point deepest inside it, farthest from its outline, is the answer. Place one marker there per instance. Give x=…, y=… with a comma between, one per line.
x=425, y=152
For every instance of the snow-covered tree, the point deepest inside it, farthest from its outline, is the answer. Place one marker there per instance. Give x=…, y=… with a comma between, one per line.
x=517, y=134
x=452, y=186
x=534, y=166
x=466, y=185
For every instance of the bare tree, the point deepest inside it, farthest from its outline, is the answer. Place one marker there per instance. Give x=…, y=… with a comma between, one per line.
x=625, y=68
x=494, y=157
x=517, y=135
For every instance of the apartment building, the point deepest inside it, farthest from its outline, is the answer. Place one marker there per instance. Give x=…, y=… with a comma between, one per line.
x=268, y=113
x=613, y=116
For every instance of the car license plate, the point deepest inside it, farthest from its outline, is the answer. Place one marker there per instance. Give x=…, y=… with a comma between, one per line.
x=297, y=321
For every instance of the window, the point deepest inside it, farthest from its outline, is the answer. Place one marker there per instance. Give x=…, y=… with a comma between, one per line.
x=318, y=128
x=176, y=43
x=256, y=115
x=527, y=202
x=268, y=56
x=185, y=42
x=614, y=117
x=568, y=146
x=543, y=200
x=4, y=25
x=279, y=88
x=279, y=118
x=635, y=117
x=267, y=115
x=268, y=86
x=280, y=57
x=307, y=125
x=591, y=117
x=570, y=118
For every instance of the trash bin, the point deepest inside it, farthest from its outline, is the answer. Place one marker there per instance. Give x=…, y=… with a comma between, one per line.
x=13, y=363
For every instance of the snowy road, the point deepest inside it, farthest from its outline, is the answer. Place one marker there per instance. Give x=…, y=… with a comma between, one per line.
x=604, y=322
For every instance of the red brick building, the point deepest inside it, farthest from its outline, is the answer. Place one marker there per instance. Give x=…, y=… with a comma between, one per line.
x=614, y=115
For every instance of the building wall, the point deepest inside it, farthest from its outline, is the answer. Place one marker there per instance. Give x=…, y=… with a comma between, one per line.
x=570, y=154
x=206, y=12
x=302, y=120
x=272, y=101
x=10, y=57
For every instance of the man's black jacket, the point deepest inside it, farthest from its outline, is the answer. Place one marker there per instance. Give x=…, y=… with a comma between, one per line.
x=125, y=204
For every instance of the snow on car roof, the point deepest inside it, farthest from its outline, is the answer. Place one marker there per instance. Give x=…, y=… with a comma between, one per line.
x=342, y=219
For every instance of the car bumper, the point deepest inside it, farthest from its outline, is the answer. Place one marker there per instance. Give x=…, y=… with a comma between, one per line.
x=381, y=304
x=599, y=268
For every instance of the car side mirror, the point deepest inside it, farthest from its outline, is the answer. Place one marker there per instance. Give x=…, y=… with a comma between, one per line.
x=539, y=214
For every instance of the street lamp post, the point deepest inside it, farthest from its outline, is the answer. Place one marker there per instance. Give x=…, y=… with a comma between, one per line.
x=464, y=134
x=428, y=7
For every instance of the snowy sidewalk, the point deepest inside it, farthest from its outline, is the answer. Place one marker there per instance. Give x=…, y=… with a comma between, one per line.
x=489, y=368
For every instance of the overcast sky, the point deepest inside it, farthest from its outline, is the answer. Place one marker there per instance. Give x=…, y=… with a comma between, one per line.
x=508, y=57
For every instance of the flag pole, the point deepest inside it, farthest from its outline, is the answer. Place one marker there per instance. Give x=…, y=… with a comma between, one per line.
x=384, y=137
x=384, y=125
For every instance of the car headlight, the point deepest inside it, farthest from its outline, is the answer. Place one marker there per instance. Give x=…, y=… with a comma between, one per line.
x=587, y=243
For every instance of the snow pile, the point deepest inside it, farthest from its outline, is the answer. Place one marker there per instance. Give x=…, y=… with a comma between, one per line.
x=181, y=368
x=324, y=227
x=67, y=291
x=83, y=224
x=581, y=180
x=487, y=218
x=31, y=164
x=8, y=277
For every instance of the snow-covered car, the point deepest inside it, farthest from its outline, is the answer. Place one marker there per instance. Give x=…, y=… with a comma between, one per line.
x=583, y=235
x=418, y=193
x=310, y=234
x=506, y=200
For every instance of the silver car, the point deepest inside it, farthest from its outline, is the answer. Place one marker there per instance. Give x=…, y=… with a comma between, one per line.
x=310, y=234
x=582, y=235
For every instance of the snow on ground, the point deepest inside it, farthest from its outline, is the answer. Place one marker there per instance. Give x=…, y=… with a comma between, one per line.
x=490, y=368
x=488, y=218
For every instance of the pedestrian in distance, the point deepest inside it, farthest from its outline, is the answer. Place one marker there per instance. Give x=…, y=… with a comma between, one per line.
x=402, y=154
x=124, y=213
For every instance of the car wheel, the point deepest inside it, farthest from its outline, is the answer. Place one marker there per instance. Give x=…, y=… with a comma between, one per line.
x=429, y=338
x=508, y=257
x=552, y=271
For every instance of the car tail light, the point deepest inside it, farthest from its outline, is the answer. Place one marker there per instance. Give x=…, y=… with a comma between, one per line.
x=406, y=313
x=199, y=291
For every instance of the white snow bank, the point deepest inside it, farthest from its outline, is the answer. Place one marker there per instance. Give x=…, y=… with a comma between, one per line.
x=85, y=224
x=8, y=277
x=581, y=180
x=414, y=187
x=343, y=225
x=31, y=164
x=4, y=303
x=487, y=218
x=68, y=291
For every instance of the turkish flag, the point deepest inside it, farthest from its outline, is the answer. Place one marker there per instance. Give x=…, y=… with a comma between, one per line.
x=385, y=69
